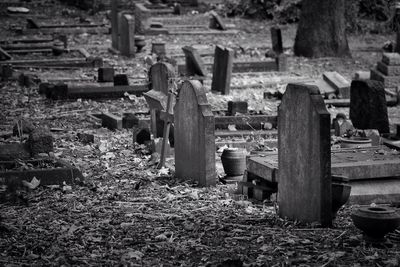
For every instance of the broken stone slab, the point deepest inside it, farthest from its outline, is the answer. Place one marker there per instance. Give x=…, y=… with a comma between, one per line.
x=338, y=82
x=388, y=81
x=388, y=70
x=391, y=59
x=111, y=121
x=62, y=173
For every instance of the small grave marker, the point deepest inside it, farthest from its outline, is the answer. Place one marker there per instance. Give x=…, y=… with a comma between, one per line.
x=222, y=70
x=276, y=37
x=105, y=74
x=194, y=130
x=304, y=191
x=368, y=109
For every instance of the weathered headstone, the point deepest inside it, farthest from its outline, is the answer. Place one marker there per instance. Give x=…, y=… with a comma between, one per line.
x=276, y=37
x=127, y=35
x=160, y=75
x=237, y=107
x=121, y=79
x=216, y=22
x=194, y=63
x=158, y=48
x=114, y=24
x=222, y=69
x=368, y=108
x=142, y=18
x=304, y=191
x=194, y=128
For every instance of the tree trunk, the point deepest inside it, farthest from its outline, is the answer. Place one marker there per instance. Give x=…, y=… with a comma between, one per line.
x=322, y=29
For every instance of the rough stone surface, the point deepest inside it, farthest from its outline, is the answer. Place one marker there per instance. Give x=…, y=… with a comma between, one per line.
x=40, y=141
x=368, y=108
x=304, y=191
x=194, y=128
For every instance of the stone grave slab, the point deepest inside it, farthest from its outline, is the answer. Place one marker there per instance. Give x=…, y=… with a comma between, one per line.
x=222, y=70
x=338, y=82
x=368, y=109
x=194, y=128
x=304, y=191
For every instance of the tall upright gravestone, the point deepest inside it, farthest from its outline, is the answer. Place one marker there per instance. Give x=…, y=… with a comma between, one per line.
x=114, y=24
x=222, y=70
x=194, y=128
x=368, y=109
x=127, y=35
x=304, y=152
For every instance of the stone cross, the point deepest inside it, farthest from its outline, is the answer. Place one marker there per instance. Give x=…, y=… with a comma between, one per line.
x=304, y=191
x=195, y=129
x=222, y=70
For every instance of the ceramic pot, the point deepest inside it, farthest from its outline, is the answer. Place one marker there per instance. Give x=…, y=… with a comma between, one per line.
x=376, y=222
x=139, y=43
x=355, y=142
x=340, y=192
x=233, y=161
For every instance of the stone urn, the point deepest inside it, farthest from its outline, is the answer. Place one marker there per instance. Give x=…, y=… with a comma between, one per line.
x=233, y=161
x=355, y=142
x=340, y=192
x=139, y=43
x=376, y=222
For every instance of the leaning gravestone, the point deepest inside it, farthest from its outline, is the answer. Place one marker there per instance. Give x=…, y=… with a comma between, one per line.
x=216, y=22
x=194, y=63
x=194, y=130
x=368, y=108
x=222, y=70
x=304, y=191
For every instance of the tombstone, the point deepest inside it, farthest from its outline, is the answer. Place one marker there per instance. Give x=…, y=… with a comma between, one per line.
x=142, y=18
x=304, y=156
x=216, y=22
x=127, y=35
x=121, y=80
x=276, y=37
x=194, y=128
x=194, y=62
x=368, y=108
x=159, y=76
x=222, y=70
x=114, y=24
x=158, y=48
x=105, y=74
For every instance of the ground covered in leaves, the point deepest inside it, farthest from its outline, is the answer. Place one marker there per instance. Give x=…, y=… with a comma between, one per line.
x=129, y=213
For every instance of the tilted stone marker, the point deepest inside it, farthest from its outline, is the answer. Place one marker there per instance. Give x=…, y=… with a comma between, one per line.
x=368, y=109
x=216, y=22
x=142, y=18
x=338, y=82
x=194, y=63
x=127, y=35
x=114, y=24
x=304, y=191
x=194, y=128
x=222, y=70
x=276, y=37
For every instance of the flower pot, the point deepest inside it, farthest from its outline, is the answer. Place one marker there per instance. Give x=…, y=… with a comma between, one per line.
x=233, y=161
x=355, y=142
x=376, y=222
x=340, y=193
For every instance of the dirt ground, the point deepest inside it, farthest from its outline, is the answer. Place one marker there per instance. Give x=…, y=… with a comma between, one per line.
x=129, y=213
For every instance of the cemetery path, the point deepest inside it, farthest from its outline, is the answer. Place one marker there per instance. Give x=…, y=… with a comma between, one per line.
x=129, y=213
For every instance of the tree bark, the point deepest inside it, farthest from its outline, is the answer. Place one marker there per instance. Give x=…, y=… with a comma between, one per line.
x=322, y=29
